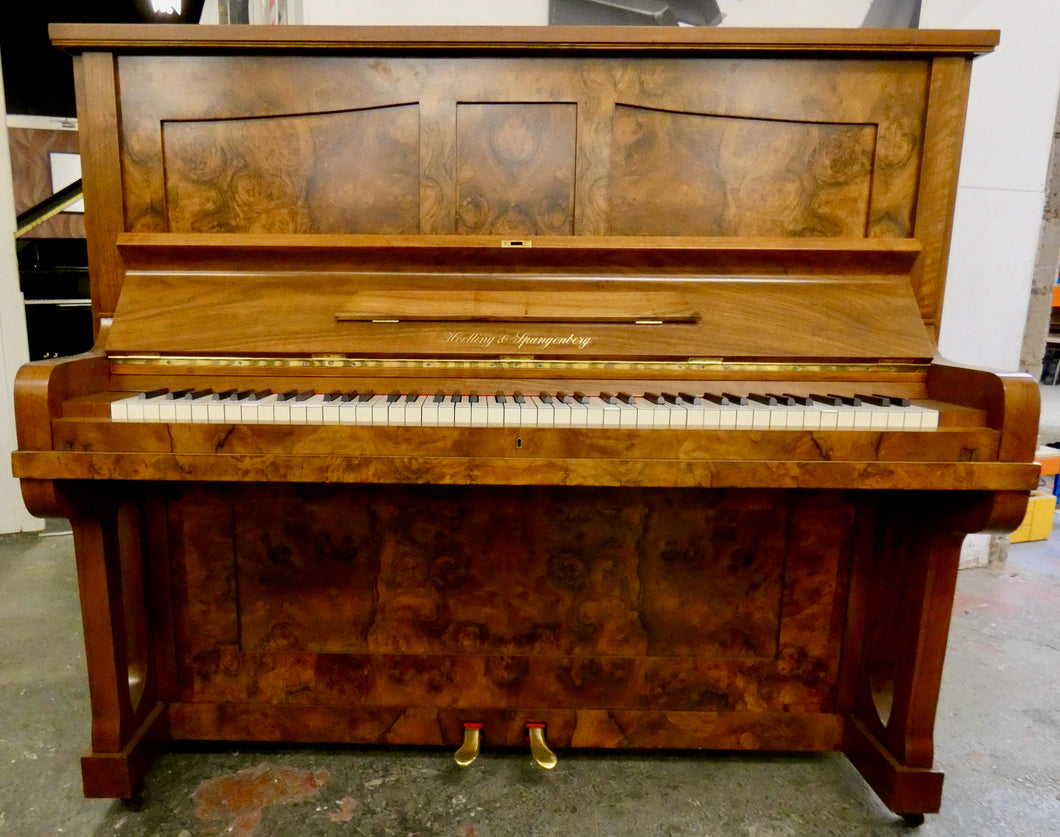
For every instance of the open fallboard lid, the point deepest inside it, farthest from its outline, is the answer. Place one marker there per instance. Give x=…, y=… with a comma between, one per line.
x=792, y=302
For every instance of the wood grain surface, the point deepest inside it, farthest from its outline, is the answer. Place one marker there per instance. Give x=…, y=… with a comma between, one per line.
x=780, y=200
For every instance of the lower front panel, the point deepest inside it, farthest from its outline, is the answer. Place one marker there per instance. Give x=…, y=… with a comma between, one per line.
x=624, y=618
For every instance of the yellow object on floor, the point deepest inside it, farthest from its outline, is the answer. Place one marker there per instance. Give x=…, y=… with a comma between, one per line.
x=1038, y=522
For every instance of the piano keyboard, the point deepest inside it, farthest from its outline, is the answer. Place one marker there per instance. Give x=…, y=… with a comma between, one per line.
x=647, y=411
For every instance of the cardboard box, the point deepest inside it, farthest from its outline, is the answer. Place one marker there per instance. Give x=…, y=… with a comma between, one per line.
x=1037, y=525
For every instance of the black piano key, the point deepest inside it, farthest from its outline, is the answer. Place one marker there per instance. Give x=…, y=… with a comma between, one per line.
x=564, y=398
x=178, y=395
x=608, y=398
x=473, y=399
x=740, y=400
x=439, y=397
x=156, y=393
x=455, y=399
x=673, y=398
x=876, y=400
x=304, y=396
x=500, y=398
x=347, y=397
x=411, y=397
x=581, y=398
x=290, y=395
x=546, y=397
x=654, y=398
x=626, y=398
x=827, y=400
x=899, y=402
x=767, y=400
x=364, y=397
x=334, y=395
x=224, y=396
x=201, y=393
x=799, y=400
x=722, y=400
x=392, y=397
x=519, y=398
x=260, y=395
x=689, y=398
x=850, y=401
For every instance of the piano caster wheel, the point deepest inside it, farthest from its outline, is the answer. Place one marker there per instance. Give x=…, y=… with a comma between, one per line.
x=543, y=757
x=913, y=820
x=468, y=751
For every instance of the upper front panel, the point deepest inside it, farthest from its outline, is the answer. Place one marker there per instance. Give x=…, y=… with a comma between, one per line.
x=718, y=146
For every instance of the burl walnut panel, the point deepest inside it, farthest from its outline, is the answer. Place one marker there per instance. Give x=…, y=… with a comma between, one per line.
x=814, y=146
x=317, y=173
x=569, y=598
x=515, y=169
x=738, y=177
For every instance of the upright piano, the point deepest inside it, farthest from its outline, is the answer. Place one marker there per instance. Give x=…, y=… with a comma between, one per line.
x=477, y=387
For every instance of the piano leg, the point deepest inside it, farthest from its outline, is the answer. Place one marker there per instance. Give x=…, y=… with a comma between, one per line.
x=904, y=573
x=129, y=722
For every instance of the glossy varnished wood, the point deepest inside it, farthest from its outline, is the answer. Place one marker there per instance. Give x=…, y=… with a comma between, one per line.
x=780, y=201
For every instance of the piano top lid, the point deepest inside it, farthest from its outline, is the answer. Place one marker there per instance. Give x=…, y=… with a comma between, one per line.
x=161, y=38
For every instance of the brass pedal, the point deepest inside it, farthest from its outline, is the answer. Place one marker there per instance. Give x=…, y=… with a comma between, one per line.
x=539, y=751
x=468, y=751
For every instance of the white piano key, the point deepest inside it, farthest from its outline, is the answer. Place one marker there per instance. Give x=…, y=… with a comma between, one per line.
x=811, y=417
x=744, y=416
x=722, y=417
x=511, y=413
x=414, y=410
x=378, y=410
x=925, y=417
x=895, y=417
x=694, y=415
x=494, y=411
x=595, y=412
x=446, y=412
x=429, y=411
x=579, y=414
x=167, y=409
x=462, y=412
x=119, y=410
x=561, y=413
x=215, y=408
x=545, y=416
x=395, y=411
x=233, y=410
x=862, y=417
x=645, y=413
x=528, y=413
x=151, y=407
x=200, y=408
x=479, y=411
x=182, y=409
x=778, y=417
x=795, y=417
x=760, y=415
x=366, y=407
x=314, y=409
x=330, y=409
x=348, y=411
x=258, y=410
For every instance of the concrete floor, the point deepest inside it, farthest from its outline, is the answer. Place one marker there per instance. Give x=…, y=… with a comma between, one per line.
x=998, y=740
